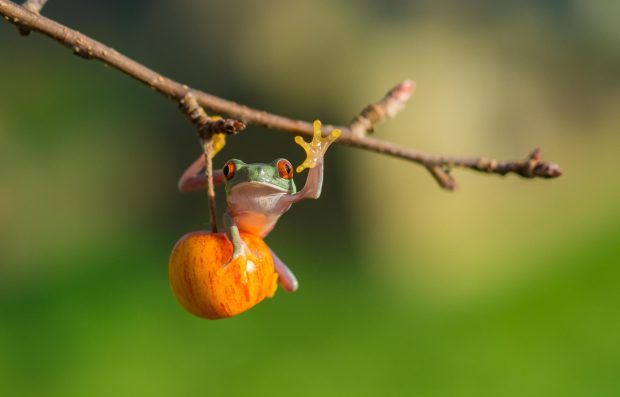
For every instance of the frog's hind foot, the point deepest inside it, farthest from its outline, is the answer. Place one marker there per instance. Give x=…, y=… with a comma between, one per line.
x=285, y=275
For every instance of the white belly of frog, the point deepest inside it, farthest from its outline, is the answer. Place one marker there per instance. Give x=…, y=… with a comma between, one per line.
x=255, y=198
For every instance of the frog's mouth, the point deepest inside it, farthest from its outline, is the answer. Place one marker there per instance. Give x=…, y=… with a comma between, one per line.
x=258, y=188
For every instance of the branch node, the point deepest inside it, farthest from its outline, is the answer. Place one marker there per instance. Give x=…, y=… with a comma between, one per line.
x=486, y=165
x=33, y=6
x=387, y=107
x=208, y=126
x=82, y=54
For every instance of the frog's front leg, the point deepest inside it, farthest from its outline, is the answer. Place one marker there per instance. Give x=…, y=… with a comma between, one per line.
x=287, y=279
x=315, y=151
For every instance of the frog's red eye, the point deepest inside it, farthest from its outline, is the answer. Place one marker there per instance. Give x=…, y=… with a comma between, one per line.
x=285, y=169
x=229, y=170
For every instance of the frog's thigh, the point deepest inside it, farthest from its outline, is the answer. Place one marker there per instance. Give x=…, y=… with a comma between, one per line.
x=288, y=281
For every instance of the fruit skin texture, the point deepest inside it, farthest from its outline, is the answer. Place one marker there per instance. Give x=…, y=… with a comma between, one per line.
x=206, y=288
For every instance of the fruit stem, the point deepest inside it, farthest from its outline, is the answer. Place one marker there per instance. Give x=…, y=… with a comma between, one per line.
x=207, y=147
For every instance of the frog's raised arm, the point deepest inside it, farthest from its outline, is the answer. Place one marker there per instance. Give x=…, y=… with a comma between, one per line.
x=315, y=150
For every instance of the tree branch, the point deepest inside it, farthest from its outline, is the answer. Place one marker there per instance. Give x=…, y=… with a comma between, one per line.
x=354, y=135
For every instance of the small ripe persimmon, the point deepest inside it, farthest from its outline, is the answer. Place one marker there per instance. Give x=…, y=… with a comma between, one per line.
x=208, y=287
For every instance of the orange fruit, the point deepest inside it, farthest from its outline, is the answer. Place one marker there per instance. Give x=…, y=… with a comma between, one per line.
x=207, y=288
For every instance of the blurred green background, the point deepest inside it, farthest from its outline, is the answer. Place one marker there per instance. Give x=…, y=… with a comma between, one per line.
x=508, y=287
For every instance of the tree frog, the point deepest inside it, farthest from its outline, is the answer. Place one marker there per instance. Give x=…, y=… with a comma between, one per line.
x=258, y=194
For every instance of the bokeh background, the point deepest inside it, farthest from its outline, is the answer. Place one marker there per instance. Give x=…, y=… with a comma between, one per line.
x=507, y=287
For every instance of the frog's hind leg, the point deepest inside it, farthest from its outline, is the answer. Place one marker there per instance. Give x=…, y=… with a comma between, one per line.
x=288, y=281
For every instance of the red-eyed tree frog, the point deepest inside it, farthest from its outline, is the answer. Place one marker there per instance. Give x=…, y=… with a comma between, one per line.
x=258, y=194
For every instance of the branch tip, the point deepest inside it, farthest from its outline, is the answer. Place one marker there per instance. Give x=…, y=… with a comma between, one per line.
x=393, y=102
x=535, y=167
x=441, y=173
x=547, y=170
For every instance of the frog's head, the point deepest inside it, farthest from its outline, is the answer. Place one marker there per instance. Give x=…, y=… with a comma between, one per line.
x=277, y=175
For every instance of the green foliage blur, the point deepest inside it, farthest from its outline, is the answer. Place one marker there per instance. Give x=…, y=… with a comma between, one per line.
x=509, y=287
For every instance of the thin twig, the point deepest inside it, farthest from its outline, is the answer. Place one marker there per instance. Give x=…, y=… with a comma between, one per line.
x=199, y=117
x=88, y=48
x=207, y=147
x=207, y=128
